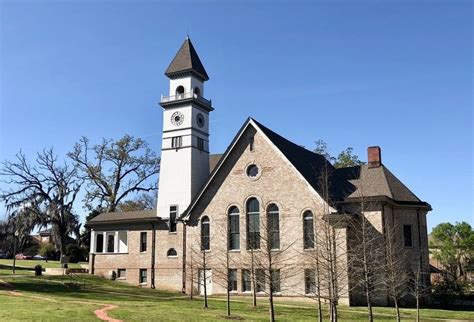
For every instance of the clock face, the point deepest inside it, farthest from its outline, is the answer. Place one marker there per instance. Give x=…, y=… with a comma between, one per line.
x=177, y=118
x=200, y=120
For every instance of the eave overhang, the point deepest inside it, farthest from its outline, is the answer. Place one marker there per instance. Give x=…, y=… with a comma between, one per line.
x=384, y=199
x=187, y=101
x=123, y=221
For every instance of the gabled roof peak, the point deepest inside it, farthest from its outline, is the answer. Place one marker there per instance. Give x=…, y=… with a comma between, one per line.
x=186, y=61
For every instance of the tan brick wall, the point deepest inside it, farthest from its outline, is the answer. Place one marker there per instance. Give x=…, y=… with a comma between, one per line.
x=168, y=270
x=278, y=183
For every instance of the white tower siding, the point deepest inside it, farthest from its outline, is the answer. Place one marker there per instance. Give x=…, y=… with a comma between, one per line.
x=184, y=168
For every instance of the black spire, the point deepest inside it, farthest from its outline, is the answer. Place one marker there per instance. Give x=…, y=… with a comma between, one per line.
x=186, y=61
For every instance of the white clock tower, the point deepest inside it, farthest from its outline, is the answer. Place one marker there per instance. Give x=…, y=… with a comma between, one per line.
x=185, y=145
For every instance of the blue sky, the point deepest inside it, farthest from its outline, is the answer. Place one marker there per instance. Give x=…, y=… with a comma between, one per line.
x=355, y=73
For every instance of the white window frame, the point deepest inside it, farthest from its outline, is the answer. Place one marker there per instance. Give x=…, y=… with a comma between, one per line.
x=117, y=241
x=176, y=142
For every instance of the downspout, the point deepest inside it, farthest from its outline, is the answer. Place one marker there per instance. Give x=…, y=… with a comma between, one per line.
x=153, y=242
x=420, y=259
x=183, y=289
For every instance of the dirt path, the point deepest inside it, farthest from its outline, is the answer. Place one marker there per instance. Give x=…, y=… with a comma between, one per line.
x=100, y=313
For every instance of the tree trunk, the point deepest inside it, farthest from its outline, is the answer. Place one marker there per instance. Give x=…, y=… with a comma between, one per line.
x=320, y=309
x=254, y=293
x=397, y=309
x=369, y=308
x=204, y=279
x=366, y=272
x=62, y=246
x=191, y=296
x=205, y=288
x=228, y=301
x=227, y=264
x=318, y=287
x=417, y=308
x=270, y=302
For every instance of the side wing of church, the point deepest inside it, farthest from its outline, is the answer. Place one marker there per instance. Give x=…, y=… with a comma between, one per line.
x=264, y=200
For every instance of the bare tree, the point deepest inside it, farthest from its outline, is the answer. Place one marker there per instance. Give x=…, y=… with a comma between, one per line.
x=274, y=264
x=144, y=201
x=418, y=286
x=190, y=262
x=199, y=257
x=367, y=253
x=115, y=170
x=312, y=270
x=325, y=249
x=42, y=194
x=223, y=269
x=396, y=277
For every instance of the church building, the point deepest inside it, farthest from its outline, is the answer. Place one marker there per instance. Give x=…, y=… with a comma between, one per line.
x=254, y=218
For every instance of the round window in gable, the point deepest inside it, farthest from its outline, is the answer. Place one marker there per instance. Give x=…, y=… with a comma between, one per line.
x=252, y=171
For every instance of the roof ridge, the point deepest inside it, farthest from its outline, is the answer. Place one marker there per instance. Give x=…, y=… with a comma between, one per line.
x=386, y=172
x=282, y=137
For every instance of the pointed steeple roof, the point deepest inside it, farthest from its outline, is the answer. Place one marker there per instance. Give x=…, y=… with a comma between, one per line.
x=186, y=61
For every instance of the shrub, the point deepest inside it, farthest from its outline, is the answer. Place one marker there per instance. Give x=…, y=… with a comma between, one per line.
x=75, y=253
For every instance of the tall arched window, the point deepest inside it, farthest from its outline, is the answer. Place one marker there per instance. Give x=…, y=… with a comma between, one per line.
x=205, y=233
x=234, y=228
x=273, y=221
x=253, y=224
x=197, y=91
x=308, y=230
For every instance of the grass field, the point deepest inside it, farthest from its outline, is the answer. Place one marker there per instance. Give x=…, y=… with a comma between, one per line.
x=25, y=297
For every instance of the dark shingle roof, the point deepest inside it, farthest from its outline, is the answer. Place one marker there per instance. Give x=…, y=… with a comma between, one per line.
x=186, y=60
x=311, y=165
x=376, y=181
x=128, y=216
x=344, y=183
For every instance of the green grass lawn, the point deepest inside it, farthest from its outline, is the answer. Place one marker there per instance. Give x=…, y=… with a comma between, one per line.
x=32, y=263
x=47, y=298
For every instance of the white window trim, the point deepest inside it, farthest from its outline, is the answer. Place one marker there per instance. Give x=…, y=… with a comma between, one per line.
x=105, y=234
x=146, y=234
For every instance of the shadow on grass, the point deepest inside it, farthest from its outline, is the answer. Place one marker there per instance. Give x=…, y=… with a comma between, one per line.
x=7, y=267
x=93, y=289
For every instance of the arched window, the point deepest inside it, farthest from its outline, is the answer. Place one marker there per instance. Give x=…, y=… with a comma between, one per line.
x=205, y=233
x=308, y=230
x=234, y=228
x=253, y=224
x=197, y=91
x=273, y=221
x=172, y=253
x=179, y=90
